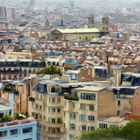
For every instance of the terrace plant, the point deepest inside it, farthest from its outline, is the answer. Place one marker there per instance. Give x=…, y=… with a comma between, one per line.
x=6, y=118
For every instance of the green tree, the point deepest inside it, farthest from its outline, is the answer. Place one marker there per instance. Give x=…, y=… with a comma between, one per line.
x=130, y=131
x=50, y=70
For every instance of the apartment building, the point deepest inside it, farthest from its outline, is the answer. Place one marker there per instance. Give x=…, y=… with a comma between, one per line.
x=16, y=92
x=46, y=105
x=112, y=122
x=85, y=107
x=17, y=69
x=126, y=100
x=65, y=110
x=16, y=129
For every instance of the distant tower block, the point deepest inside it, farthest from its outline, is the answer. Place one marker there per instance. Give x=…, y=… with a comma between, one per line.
x=91, y=21
x=105, y=24
x=72, y=4
x=3, y=12
x=32, y=4
x=47, y=23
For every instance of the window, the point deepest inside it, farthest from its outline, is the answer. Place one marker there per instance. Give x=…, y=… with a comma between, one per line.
x=72, y=116
x=40, y=107
x=73, y=76
x=102, y=125
x=91, y=118
x=36, y=116
x=41, y=97
x=58, y=100
x=53, y=100
x=118, y=113
x=88, y=96
x=27, y=130
x=91, y=107
x=72, y=126
x=83, y=117
x=83, y=128
x=119, y=103
x=40, y=116
x=44, y=117
x=3, y=133
x=91, y=128
x=44, y=127
x=14, y=132
x=58, y=130
x=83, y=106
x=59, y=120
x=36, y=106
x=1, y=115
x=58, y=109
x=53, y=120
x=33, y=114
x=72, y=136
x=53, y=110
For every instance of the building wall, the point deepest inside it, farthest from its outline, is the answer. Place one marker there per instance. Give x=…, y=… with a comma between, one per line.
x=76, y=36
x=20, y=135
x=48, y=116
x=82, y=37
x=71, y=107
x=136, y=103
x=124, y=107
x=106, y=104
x=81, y=108
x=85, y=75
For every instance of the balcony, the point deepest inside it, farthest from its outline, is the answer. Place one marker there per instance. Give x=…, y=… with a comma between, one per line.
x=59, y=123
x=52, y=135
x=17, y=122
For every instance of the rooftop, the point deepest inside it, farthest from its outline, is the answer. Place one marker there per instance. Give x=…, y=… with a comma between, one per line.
x=113, y=120
x=17, y=122
x=4, y=108
x=91, y=88
x=80, y=30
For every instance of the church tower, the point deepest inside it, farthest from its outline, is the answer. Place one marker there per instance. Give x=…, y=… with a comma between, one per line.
x=105, y=24
x=91, y=21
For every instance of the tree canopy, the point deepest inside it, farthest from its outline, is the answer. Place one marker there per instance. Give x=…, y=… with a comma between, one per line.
x=130, y=131
x=50, y=70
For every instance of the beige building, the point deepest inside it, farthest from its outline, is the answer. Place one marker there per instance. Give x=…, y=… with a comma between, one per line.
x=83, y=34
x=112, y=122
x=65, y=115
x=46, y=105
x=85, y=107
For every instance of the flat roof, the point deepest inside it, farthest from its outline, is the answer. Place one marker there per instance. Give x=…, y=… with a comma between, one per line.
x=4, y=108
x=80, y=30
x=131, y=73
x=91, y=88
x=95, y=83
x=113, y=120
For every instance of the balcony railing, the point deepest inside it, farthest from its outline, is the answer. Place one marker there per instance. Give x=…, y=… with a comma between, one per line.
x=17, y=122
